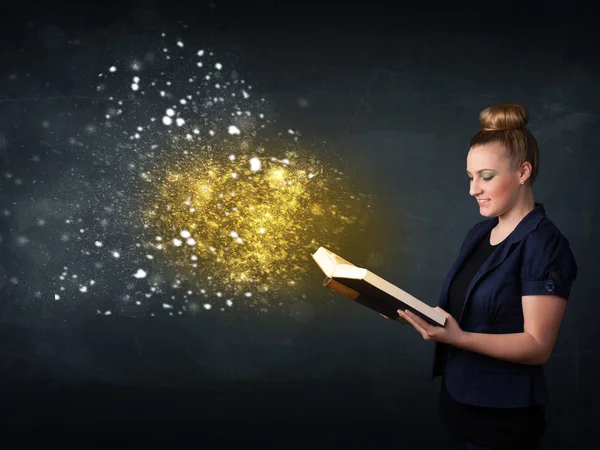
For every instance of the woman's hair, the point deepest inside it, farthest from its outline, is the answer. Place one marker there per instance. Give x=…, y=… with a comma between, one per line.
x=504, y=123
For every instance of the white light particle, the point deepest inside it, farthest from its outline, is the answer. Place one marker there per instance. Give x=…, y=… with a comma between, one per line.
x=233, y=234
x=185, y=234
x=167, y=120
x=180, y=121
x=56, y=297
x=135, y=86
x=170, y=112
x=218, y=66
x=207, y=306
x=116, y=254
x=112, y=69
x=261, y=230
x=177, y=242
x=234, y=175
x=232, y=157
x=255, y=164
x=179, y=44
x=98, y=244
x=229, y=303
x=200, y=52
x=191, y=242
x=167, y=306
x=140, y=274
x=233, y=130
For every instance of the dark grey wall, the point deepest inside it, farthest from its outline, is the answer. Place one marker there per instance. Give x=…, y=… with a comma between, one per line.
x=396, y=94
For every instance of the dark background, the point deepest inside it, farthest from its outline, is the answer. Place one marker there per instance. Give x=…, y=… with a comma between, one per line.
x=398, y=89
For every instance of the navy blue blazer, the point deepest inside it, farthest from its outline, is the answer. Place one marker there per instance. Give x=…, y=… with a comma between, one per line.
x=535, y=259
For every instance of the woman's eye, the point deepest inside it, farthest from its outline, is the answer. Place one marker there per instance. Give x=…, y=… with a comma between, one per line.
x=487, y=178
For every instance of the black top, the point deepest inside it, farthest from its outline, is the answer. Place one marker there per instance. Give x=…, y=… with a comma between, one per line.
x=497, y=428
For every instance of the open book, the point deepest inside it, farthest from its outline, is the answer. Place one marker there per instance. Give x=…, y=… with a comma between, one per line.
x=369, y=290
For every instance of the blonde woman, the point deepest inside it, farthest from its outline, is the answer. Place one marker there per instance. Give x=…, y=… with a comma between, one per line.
x=504, y=296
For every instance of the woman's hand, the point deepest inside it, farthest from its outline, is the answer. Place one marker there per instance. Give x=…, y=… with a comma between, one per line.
x=451, y=333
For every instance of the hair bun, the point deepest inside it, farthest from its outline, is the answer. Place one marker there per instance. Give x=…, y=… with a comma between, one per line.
x=504, y=116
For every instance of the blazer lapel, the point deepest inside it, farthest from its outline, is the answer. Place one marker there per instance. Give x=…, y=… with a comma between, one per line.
x=495, y=259
x=524, y=227
x=529, y=222
x=472, y=240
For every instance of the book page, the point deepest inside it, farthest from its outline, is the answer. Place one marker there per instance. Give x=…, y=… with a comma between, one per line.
x=331, y=264
x=349, y=271
x=336, y=259
x=339, y=261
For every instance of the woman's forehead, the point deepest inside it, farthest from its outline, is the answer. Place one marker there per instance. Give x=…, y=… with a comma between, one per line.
x=488, y=156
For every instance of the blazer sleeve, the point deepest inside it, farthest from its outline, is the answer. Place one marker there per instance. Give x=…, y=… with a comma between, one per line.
x=548, y=265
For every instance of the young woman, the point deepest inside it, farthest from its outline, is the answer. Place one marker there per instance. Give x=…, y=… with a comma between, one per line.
x=504, y=297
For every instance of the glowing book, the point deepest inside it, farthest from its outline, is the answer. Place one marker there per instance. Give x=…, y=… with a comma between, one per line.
x=369, y=290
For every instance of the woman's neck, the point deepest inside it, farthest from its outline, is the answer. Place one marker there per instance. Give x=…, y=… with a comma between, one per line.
x=511, y=218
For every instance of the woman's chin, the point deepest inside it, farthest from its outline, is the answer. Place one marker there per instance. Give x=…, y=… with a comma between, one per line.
x=486, y=211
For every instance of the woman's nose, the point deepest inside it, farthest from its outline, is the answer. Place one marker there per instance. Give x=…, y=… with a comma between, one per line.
x=474, y=188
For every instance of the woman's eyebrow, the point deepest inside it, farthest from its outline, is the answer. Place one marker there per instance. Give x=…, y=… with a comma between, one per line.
x=483, y=170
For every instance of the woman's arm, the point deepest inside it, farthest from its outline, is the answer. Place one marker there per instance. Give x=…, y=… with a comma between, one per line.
x=542, y=317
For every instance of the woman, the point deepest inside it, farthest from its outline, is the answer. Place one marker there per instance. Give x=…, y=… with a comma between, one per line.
x=504, y=297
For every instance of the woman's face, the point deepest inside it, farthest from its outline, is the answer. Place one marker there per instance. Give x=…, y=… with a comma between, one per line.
x=493, y=183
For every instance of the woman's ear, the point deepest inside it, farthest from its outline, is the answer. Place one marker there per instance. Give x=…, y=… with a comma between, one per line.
x=525, y=170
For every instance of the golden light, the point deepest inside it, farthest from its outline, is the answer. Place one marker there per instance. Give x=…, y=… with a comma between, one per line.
x=245, y=222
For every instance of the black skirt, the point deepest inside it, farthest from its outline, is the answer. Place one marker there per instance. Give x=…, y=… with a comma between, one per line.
x=496, y=428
